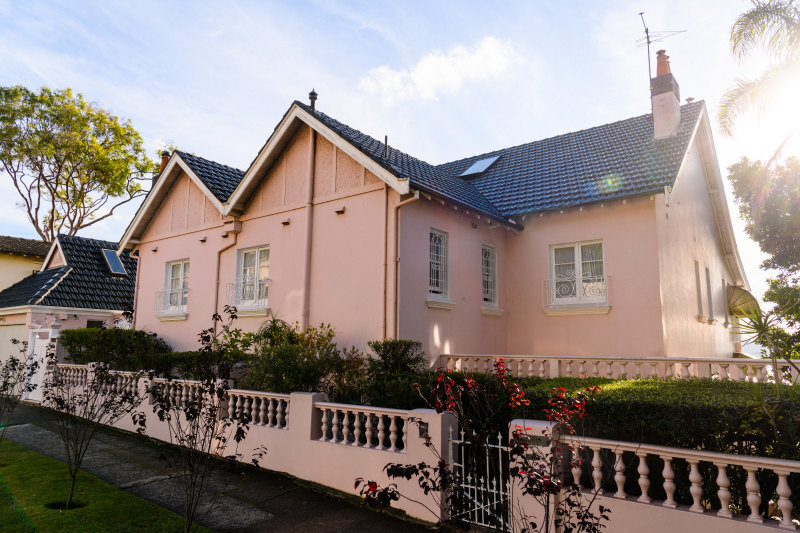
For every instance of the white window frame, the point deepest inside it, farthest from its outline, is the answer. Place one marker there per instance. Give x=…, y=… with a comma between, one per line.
x=580, y=297
x=178, y=303
x=438, y=286
x=489, y=275
x=258, y=287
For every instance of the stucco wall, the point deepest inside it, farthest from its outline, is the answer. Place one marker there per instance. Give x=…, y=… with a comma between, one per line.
x=347, y=249
x=687, y=232
x=464, y=328
x=633, y=324
x=16, y=267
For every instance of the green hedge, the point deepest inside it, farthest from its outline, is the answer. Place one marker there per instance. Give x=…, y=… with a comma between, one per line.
x=121, y=349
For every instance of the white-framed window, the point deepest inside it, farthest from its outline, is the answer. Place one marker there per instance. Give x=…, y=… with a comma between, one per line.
x=437, y=278
x=578, y=273
x=176, y=289
x=252, y=280
x=489, y=274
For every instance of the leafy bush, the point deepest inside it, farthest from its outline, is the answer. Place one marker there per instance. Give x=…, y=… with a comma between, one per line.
x=121, y=349
x=396, y=357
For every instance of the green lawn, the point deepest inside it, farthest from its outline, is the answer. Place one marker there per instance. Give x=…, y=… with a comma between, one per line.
x=29, y=481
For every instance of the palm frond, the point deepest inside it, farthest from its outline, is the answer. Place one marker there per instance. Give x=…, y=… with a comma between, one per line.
x=773, y=26
x=754, y=94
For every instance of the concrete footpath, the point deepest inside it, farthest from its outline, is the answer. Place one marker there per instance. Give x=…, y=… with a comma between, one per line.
x=240, y=499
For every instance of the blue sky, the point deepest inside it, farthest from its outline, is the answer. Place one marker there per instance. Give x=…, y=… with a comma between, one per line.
x=443, y=80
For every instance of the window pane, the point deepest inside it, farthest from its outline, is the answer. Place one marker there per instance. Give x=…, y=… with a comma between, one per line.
x=438, y=263
x=489, y=260
x=263, y=264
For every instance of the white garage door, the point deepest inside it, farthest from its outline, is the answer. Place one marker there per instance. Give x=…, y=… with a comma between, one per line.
x=7, y=332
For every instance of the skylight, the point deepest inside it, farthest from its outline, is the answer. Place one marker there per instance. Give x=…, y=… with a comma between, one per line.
x=480, y=166
x=113, y=262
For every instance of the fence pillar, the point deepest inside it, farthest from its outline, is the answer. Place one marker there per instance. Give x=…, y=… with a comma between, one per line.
x=305, y=420
x=437, y=426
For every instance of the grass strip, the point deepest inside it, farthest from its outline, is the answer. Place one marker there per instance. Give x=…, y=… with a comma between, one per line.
x=29, y=481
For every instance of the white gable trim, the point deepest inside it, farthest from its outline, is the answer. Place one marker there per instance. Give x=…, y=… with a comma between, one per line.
x=296, y=113
x=55, y=244
x=155, y=197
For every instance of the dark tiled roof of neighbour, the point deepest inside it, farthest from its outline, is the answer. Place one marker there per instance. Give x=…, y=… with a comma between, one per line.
x=84, y=283
x=21, y=246
x=220, y=179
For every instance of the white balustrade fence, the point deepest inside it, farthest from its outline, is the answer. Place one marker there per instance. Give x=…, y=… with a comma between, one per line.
x=73, y=375
x=267, y=409
x=367, y=427
x=178, y=392
x=624, y=367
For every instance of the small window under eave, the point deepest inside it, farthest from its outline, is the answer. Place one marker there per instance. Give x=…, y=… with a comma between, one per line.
x=479, y=167
x=113, y=262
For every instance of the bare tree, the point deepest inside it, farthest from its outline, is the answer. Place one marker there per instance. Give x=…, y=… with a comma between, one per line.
x=85, y=400
x=15, y=382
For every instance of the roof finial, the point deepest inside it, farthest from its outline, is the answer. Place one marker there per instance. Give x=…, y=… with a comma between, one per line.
x=312, y=96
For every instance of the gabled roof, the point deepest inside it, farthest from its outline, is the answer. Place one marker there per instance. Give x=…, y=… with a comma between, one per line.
x=85, y=282
x=611, y=161
x=220, y=179
x=21, y=246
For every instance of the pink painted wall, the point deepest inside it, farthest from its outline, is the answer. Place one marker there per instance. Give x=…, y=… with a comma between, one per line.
x=347, y=250
x=633, y=325
x=463, y=328
x=687, y=232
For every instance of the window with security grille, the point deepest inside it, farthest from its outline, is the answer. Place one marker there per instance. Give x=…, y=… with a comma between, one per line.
x=578, y=272
x=177, y=289
x=253, y=280
x=489, y=274
x=438, y=263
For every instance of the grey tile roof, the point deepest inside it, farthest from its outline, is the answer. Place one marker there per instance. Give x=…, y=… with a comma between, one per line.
x=220, y=179
x=21, y=246
x=611, y=161
x=84, y=282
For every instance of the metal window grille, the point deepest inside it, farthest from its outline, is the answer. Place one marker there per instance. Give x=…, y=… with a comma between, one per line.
x=175, y=295
x=489, y=274
x=252, y=286
x=578, y=273
x=438, y=263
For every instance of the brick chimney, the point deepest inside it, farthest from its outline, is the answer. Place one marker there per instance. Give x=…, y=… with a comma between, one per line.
x=666, y=97
x=164, y=159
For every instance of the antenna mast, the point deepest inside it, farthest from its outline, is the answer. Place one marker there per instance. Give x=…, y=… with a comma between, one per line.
x=656, y=36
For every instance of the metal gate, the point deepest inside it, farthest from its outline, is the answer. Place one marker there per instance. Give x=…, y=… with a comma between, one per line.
x=481, y=484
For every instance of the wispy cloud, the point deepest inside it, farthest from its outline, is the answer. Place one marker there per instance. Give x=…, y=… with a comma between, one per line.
x=442, y=72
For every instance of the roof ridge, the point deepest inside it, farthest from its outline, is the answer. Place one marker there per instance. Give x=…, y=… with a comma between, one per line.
x=81, y=238
x=184, y=154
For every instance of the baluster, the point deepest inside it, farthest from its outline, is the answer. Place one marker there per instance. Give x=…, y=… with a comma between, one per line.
x=262, y=411
x=784, y=503
x=368, y=432
x=581, y=369
x=753, y=499
x=669, y=483
x=530, y=368
x=393, y=434
x=638, y=369
x=280, y=415
x=595, y=368
x=760, y=374
x=670, y=370
x=597, y=473
x=172, y=391
x=357, y=429
x=381, y=433
x=405, y=434
x=346, y=427
x=248, y=403
x=653, y=370
x=723, y=493
x=696, y=489
x=271, y=412
x=286, y=414
x=723, y=372
x=619, y=475
x=685, y=374
x=609, y=369
x=324, y=436
x=576, y=467
x=335, y=425
x=542, y=365
x=239, y=404
x=644, y=480
x=568, y=369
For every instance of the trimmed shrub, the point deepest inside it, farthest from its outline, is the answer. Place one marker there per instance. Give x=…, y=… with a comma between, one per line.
x=121, y=349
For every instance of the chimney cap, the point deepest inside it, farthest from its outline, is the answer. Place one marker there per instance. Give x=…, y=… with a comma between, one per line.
x=165, y=153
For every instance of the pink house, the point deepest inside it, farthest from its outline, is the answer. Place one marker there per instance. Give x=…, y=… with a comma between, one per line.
x=614, y=240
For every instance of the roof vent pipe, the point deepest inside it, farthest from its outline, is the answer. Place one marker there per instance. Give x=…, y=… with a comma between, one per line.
x=386, y=147
x=312, y=97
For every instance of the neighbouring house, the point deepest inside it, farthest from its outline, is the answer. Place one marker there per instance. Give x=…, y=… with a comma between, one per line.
x=20, y=258
x=81, y=283
x=615, y=240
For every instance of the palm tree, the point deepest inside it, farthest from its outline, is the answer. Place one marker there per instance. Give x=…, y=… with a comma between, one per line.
x=773, y=26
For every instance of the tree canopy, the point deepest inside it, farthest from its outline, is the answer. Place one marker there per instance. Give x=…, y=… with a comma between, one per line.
x=71, y=162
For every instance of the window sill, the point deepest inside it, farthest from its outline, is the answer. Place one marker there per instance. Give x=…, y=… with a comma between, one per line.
x=172, y=317
x=580, y=309
x=491, y=311
x=252, y=311
x=437, y=302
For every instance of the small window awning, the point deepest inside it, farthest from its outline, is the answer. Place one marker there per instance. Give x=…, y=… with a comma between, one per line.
x=741, y=301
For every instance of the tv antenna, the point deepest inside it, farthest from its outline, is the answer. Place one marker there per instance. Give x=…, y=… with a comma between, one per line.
x=653, y=37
